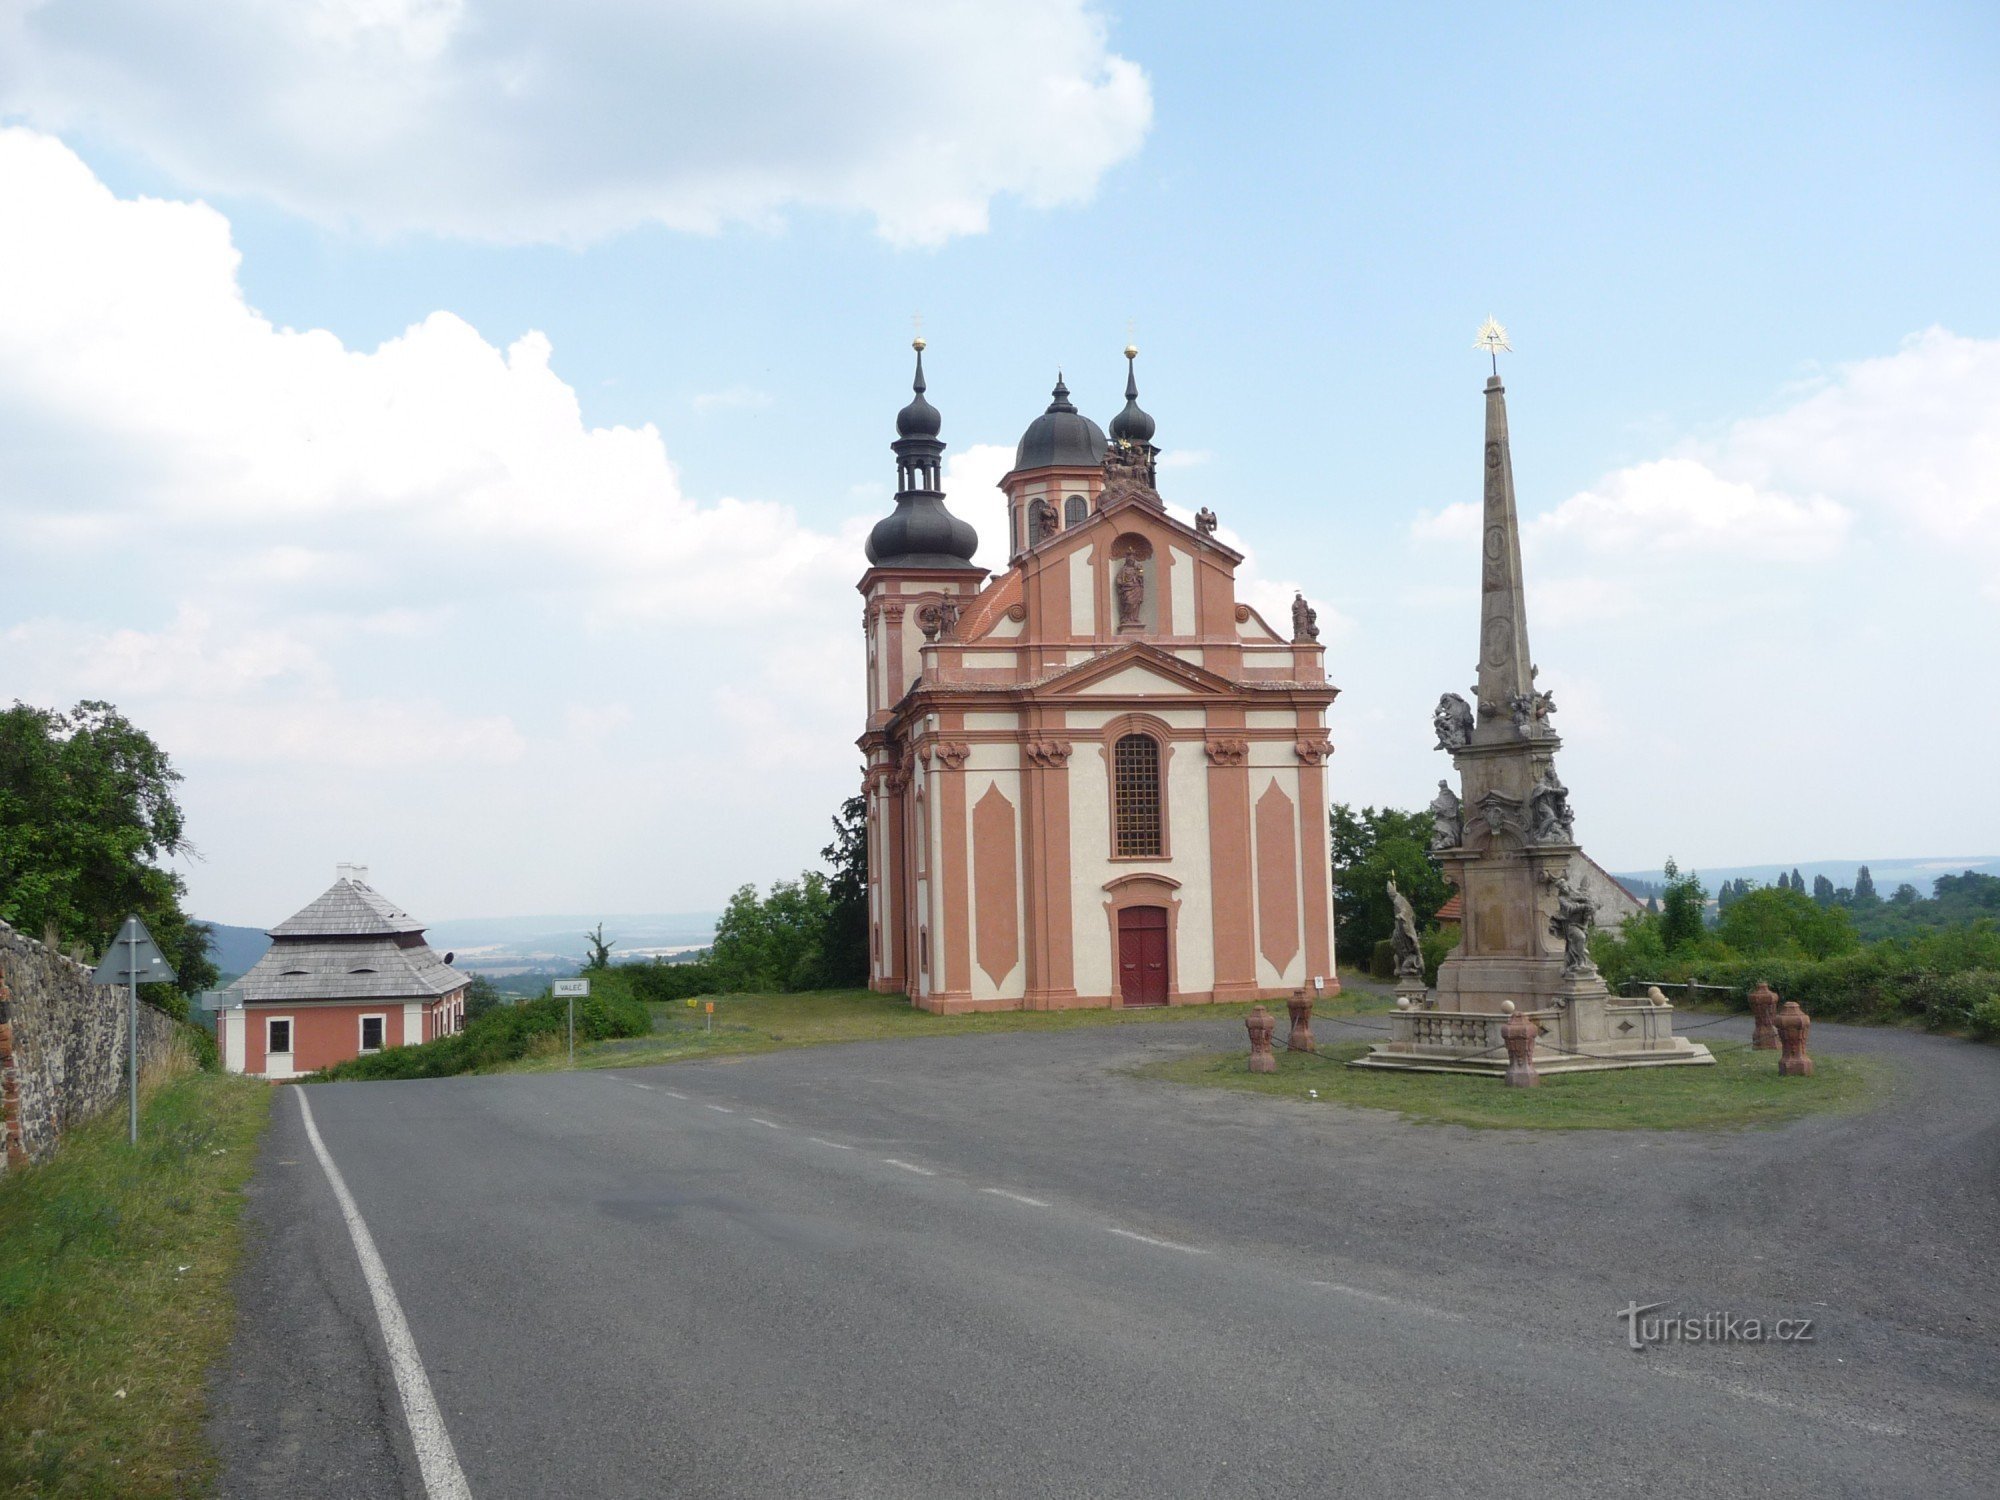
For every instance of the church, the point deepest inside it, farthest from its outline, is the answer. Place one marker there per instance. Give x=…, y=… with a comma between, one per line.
x=1096, y=778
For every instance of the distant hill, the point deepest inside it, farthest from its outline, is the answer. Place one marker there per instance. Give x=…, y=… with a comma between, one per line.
x=1887, y=873
x=501, y=946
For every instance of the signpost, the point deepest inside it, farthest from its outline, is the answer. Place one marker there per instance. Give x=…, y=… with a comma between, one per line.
x=132, y=960
x=574, y=990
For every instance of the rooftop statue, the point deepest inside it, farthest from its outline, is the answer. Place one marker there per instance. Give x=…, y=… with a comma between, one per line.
x=1447, y=818
x=1452, y=719
x=1305, y=620
x=1204, y=521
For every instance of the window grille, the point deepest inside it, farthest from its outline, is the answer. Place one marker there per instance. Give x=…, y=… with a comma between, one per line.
x=1076, y=510
x=1135, y=786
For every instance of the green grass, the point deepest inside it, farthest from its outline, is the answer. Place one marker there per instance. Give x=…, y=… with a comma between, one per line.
x=115, y=1293
x=764, y=1023
x=1741, y=1089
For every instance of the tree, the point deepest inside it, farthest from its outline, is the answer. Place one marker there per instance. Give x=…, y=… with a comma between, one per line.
x=775, y=942
x=481, y=996
x=1784, y=881
x=600, y=951
x=1798, y=881
x=1682, y=910
x=1367, y=850
x=1905, y=895
x=1864, y=886
x=845, y=943
x=1822, y=890
x=1786, y=923
x=87, y=807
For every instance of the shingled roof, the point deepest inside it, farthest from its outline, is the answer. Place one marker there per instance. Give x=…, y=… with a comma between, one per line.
x=350, y=943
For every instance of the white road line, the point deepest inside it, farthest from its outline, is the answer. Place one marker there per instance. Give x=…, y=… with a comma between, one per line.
x=1803, y=1408
x=1147, y=1239
x=1388, y=1301
x=910, y=1167
x=722, y=1109
x=1017, y=1197
x=646, y=1086
x=767, y=1124
x=673, y=1093
x=438, y=1464
x=822, y=1141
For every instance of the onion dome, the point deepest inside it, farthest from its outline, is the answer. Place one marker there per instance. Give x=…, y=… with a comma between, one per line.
x=1060, y=437
x=920, y=532
x=1132, y=425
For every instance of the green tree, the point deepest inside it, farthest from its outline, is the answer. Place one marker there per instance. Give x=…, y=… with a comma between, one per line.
x=1798, y=881
x=87, y=808
x=599, y=956
x=1786, y=923
x=1367, y=849
x=1822, y=890
x=774, y=942
x=481, y=996
x=1784, y=881
x=845, y=942
x=1864, y=886
x=1682, y=911
x=1905, y=895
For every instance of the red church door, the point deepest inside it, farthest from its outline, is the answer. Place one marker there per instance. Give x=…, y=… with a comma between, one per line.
x=1142, y=955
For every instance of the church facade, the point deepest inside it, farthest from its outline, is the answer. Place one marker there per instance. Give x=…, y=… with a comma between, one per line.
x=1096, y=778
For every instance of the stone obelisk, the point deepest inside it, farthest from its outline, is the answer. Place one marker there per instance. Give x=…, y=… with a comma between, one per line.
x=1506, y=840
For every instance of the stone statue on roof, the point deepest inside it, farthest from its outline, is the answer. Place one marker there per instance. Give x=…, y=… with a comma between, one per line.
x=1305, y=620
x=1204, y=521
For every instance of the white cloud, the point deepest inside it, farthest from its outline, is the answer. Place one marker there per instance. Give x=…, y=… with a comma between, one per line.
x=517, y=120
x=1682, y=505
x=972, y=492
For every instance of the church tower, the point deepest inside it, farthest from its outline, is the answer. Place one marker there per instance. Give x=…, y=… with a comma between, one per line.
x=1097, y=778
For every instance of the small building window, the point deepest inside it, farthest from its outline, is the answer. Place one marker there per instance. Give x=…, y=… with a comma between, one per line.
x=278, y=1038
x=1135, y=786
x=371, y=1033
x=1076, y=510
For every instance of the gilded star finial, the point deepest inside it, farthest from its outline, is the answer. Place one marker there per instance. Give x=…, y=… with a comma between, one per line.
x=917, y=327
x=1493, y=339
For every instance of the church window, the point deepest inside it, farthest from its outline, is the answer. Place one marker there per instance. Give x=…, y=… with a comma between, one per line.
x=1135, y=784
x=1076, y=510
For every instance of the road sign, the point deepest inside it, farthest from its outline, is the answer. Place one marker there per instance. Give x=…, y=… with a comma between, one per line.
x=572, y=988
x=133, y=958
x=221, y=999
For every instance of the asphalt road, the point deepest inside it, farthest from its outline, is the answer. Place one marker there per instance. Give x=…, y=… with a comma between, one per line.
x=998, y=1266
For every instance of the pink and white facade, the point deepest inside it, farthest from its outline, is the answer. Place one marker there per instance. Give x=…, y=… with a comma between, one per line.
x=1096, y=778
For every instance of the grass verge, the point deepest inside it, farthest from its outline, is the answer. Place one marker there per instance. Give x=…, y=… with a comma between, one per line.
x=1741, y=1089
x=763, y=1023
x=115, y=1293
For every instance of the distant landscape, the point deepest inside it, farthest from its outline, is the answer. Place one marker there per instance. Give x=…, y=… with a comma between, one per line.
x=1888, y=873
x=519, y=954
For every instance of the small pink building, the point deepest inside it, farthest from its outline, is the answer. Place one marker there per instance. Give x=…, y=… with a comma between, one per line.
x=348, y=974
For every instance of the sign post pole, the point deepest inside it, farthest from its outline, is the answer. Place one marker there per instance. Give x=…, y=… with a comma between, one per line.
x=132, y=1023
x=573, y=990
x=131, y=954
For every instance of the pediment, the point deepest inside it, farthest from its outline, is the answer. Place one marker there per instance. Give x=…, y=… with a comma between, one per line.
x=1137, y=669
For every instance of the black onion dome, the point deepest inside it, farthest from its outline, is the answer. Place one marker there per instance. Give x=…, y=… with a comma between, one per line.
x=1061, y=436
x=1133, y=424
x=919, y=419
x=921, y=533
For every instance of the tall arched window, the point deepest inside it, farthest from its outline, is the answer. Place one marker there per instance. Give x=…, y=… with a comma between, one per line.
x=1135, y=785
x=1076, y=510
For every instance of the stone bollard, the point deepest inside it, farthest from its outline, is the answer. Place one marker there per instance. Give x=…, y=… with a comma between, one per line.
x=1300, y=1038
x=1764, y=1006
x=1793, y=1024
x=1260, y=1023
x=1519, y=1033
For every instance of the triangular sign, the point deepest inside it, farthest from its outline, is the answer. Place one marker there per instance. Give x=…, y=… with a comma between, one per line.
x=134, y=956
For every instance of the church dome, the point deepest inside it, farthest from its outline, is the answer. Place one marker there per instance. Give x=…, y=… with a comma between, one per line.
x=1134, y=424
x=921, y=533
x=919, y=419
x=1061, y=436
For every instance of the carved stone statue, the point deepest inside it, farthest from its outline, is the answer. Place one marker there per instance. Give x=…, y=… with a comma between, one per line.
x=1452, y=719
x=1572, y=921
x=1550, y=820
x=1447, y=818
x=1130, y=587
x=1128, y=470
x=1403, y=940
x=1044, y=520
x=1305, y=620
x=1204, y=521
x=1529, y=709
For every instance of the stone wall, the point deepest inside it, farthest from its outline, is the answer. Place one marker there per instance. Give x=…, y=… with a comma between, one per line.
x=62, y=1046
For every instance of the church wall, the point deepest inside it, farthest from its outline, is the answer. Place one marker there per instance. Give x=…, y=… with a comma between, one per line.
x=1271, y=718
x=1181, y=579
x=1195, y=941
x=1089, y=814
x=993, y=791
x=1094, y=718
x=1274, y=822
x=1082, y=594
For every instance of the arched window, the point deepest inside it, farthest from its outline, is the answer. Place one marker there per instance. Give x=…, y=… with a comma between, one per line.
x=1076, y=510
x=1135, y=787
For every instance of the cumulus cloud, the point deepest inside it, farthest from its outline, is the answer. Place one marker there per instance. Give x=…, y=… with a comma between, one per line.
x=518, y=121
x=1683, y=505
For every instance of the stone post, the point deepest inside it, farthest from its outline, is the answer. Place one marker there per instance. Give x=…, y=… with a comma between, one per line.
x=1763, y=1007
x=1300, y=1038
x=1260, y=1023
x=1519, y=1033
x=1793, y=1024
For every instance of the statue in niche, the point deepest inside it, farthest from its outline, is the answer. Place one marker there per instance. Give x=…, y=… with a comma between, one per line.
x=1452, y=720
x=1044, y=520
x=1204, y=521
x=1573, y=918
x=1305, y=620
x=1130, y=587
x=1550, y=820
x=1403, y=940
x=1447, y=819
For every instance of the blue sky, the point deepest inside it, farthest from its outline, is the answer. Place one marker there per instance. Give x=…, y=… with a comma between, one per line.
x=1745, y=254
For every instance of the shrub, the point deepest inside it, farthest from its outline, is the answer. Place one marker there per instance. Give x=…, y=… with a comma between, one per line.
x=504, y=1035
x=1437, y=944
x=201, y=1042
x=1382, y=960
x=658, y=982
